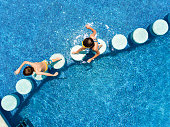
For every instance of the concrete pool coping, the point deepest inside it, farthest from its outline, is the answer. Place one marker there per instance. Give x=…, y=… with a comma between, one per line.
x=3, y=121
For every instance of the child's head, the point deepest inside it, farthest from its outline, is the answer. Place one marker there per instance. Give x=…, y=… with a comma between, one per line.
x=28, y=71
x=88, y=43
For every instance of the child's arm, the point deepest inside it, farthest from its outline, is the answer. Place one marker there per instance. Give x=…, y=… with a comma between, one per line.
x=93, y=30
x=18, y=70
x=47, y=74
x=96, y=55
x=79, y=50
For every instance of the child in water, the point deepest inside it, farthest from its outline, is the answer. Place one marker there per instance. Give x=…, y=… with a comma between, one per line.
x=39, y=68
x=90, y=42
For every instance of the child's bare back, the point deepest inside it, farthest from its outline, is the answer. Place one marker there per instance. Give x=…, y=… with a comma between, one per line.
x=39, y=68
x=91, y=43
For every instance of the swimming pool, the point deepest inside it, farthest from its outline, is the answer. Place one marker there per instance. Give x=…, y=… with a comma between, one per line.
x=129, y=88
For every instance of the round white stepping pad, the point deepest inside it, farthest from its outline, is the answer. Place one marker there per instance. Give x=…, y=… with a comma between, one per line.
x=10, y=102
x=58, y=64
x=103, y=48
x=140, y=35
x=160, y=27
x=119, y=42
x=80, y=55
x=24, y=86
x=38, y=77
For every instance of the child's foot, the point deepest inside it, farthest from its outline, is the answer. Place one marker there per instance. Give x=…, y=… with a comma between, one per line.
x=57, y=59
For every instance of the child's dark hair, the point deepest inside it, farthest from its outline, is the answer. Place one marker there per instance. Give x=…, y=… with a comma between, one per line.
x=28, y=71
x=88, y=42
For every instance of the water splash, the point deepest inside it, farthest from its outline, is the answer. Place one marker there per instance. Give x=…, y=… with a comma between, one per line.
x=107, y=26
x=91, y=24
x=78, y=36
x=85, y=35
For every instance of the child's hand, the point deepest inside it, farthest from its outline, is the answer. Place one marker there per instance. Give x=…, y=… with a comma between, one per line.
x=56, y=74
x=89, y=60
x=17, y=72
x=87, y=26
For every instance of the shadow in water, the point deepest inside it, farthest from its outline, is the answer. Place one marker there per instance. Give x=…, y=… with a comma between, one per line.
x=166, y=18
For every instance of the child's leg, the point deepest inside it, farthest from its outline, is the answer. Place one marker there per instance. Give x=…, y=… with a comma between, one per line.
x=56, y=59
x=53, y=60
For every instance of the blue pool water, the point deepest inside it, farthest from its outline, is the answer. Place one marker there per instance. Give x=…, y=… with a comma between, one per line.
x=129, y=88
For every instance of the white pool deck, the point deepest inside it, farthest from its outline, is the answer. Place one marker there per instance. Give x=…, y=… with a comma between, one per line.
x=3, y=121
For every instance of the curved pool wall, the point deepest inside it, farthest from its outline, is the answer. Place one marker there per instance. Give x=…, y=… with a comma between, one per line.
x=123, y=89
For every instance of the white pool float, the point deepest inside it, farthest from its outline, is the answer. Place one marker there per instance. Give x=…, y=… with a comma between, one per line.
x=140, y=36
x=38, y=77
x=24, y=86
x=58, y=64
x=10, y=102
x=80, y=55
x=103, y=48
x=119, y=42
x=159, y=27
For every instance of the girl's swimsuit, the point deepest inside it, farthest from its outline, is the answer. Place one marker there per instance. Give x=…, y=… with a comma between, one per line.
x=95, y=40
